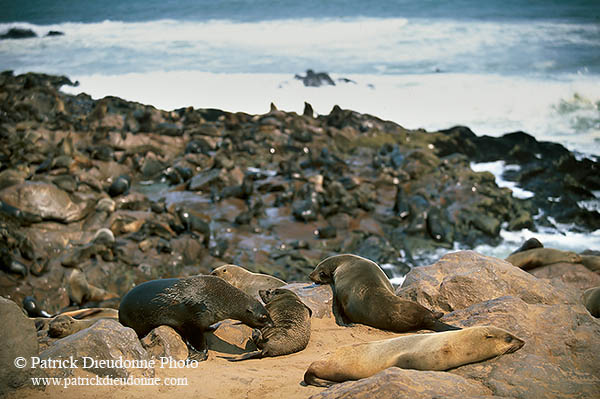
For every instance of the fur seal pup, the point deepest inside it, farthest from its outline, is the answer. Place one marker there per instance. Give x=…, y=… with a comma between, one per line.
x=69, y=323
x=366, y=296
x=591, y=300
x=245, y=280
x=537, y=257
x=190, y=306
x=291, y=330
x=434, y=351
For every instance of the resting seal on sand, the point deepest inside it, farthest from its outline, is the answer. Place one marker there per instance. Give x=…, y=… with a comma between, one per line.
x=245, y=280
x=435, y=351
x=190, y=306
x=366, y=296
x=291, y=330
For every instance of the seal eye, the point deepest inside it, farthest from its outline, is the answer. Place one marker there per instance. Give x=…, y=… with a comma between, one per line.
x=508, y=339
x=322, y=275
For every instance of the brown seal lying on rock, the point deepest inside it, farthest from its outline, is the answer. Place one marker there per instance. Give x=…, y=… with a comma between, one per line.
x=366, y=296
x=190, y=306
x=537, y=257
x=434, y=351
x=291, y=330
x=245, y=280
x=68, y=323
x=591, y=300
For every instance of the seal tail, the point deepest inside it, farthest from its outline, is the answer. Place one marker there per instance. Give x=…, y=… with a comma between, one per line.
x=311, y=379
x=438, y=326
x=249, y=355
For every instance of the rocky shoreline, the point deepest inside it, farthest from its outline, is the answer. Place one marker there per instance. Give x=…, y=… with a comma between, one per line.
x=97, y=196
x=184, y=191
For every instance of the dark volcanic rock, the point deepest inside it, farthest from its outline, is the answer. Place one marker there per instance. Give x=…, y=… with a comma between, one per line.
x=312, y=79
x=547, y=169
x=18, y=33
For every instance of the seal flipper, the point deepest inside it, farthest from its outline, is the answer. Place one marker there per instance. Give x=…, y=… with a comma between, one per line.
x=198, y=344
x=311, y=379
x=244, y=356
x=438, y=326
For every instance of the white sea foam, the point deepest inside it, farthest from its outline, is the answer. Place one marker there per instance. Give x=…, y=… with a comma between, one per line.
x=496, y=77
x=566, y=241
x=497, y=168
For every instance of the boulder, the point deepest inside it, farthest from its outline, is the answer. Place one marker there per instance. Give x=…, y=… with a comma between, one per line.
x=560, y=358
x=461, y=279
x=44, y=200
x=19, y=339
x=318, y=297
x=574, y=275
x=398, y=383
x=107, y=340
x=163, y=341
x=561, y=355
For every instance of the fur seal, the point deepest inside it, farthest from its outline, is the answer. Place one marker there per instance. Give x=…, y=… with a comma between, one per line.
x=531, y=243
x=537, y=257
x=592, y=262
x=68, y=323
x=190, y=306
x=366, y=296
x=591, y=300
x=291, y=330
x=245, y=280
x=434, y=351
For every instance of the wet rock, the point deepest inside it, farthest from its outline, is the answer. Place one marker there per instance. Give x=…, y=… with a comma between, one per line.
x=318, y=297
x=399, y=383
x=9, y=264
x=19, y=339
x=18, y=33
x=312, y=79
x=32, y=307
x=163, y=341
x=45, y=201
x=106, y=340
x=206, y=180
x=119, y=186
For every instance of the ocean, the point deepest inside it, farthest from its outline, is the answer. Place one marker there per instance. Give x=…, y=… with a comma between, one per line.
x=495, y=66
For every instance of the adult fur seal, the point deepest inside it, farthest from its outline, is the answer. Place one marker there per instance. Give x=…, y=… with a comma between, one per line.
x=190, y=306
x=531, y=243
x=245, y=280
x=366, y=296
x=434, y=351
x=591, y=300
x=538, y=257
x=291, y=330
